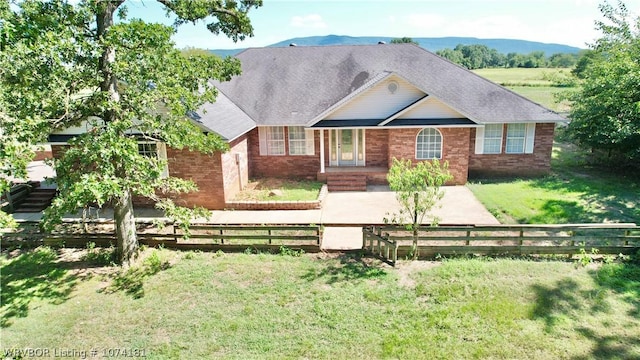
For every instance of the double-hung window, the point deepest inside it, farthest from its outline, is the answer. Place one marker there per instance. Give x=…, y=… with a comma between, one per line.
x=272, y=140
x=516, y=138
x=155, y=150
x=492, y=139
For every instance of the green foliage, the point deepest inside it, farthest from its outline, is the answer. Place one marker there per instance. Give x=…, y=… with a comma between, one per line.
x=418, y=191
x=605, y=114
x=64, y=63
x=99, y=256
x=404, y=40
x=473, y=56
x=287, y=251
x=417, y=188
x=585, y=258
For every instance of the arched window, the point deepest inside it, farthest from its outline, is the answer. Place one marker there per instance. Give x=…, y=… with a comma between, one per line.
x=429, y=144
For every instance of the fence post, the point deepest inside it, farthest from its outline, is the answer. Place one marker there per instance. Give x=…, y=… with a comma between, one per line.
x=521, y=242
x=269, y=235
x=468, y=238
x=221, y=238
x=364, y=237
x=395, y=252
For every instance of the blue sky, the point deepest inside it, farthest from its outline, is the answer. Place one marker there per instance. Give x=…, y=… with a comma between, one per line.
x=569, y=22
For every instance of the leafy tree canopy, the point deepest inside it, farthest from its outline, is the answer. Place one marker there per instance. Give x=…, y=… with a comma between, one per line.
x=404, y=40
x=605, y=111
x=64, y=63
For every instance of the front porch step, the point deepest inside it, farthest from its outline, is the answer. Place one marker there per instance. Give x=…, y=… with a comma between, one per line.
x=37, y=200
x=346, y=182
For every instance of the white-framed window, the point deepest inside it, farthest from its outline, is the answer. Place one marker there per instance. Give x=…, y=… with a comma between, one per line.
x=301, y=141
x=492, y=139
x=429, y=144
x=520, y=138
x=516, y=138
x=157, y=150
x=271, y=140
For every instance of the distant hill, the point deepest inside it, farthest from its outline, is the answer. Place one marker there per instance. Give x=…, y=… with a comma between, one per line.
x=504, y=46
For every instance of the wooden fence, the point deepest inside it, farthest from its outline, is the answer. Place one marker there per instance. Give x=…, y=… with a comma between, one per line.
x=390, y=242
x=208, y=237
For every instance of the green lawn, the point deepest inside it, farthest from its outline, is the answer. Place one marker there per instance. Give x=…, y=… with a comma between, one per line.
x=240, y=306
x=544, y=95
x=575, y=192
x=274, y=189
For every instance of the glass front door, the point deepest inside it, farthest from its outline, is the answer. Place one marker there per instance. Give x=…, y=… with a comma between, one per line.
x=347, y=147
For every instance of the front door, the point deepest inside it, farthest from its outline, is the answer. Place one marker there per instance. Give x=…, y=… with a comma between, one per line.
x=347, y=147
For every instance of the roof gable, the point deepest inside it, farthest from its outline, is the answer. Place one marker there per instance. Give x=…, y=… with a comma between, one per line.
x=385, y=98
x=295, y=85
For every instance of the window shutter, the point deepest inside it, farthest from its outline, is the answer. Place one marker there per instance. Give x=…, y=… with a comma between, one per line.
x=310, y=141
x=530, y=138
x=161, y=149
x=480, y=140
x=262, y=133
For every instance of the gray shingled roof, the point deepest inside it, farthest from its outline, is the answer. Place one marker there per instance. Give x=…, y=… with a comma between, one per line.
x=293, y=85
x=224, y=118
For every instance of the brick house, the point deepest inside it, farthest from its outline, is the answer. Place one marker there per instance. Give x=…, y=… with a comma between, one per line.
x=340, y=114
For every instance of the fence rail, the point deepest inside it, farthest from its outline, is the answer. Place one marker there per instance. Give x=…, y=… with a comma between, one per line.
x=200, y=236
x=389, y=242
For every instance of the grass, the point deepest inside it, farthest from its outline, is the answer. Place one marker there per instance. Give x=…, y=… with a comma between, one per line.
x=544, y=95
x=535, y=84
x=239, y=306
x=272, y=189
x=521, y=76
x=575, y=192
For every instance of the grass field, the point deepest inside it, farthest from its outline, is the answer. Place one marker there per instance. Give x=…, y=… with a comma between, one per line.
x=534, y=84
x=240, y=306
x=575, y=192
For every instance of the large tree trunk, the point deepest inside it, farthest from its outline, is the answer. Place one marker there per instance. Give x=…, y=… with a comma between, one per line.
x=127, y=241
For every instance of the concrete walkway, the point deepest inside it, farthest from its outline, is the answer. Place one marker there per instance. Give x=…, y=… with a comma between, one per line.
x=459, y=206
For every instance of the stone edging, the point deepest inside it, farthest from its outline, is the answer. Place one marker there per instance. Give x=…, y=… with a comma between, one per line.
x=280, y=205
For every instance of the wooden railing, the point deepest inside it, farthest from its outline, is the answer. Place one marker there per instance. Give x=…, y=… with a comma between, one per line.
x=201, y=236
x=10, y=199
x=379, y=244
x=389, y=242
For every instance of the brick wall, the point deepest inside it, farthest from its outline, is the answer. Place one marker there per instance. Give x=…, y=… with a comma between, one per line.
x=283, y=166
x=503, y=164
x=205, y=170
x=235, y=165
x=455, y=149
x=376, y=148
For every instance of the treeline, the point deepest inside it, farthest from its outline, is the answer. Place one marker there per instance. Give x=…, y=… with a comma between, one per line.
x=481, y=56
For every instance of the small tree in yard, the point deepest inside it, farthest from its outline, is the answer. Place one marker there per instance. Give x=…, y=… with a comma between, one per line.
x=418, y=191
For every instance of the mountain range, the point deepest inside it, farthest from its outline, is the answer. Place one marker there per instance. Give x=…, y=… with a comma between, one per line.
x=503, y=46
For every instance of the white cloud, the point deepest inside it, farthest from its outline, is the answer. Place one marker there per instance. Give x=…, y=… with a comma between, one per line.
x=312, y=21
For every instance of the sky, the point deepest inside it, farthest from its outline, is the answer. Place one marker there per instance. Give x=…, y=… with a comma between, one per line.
x=568, y=22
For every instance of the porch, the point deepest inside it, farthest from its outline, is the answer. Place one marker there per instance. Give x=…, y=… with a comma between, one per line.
x=352, y=178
